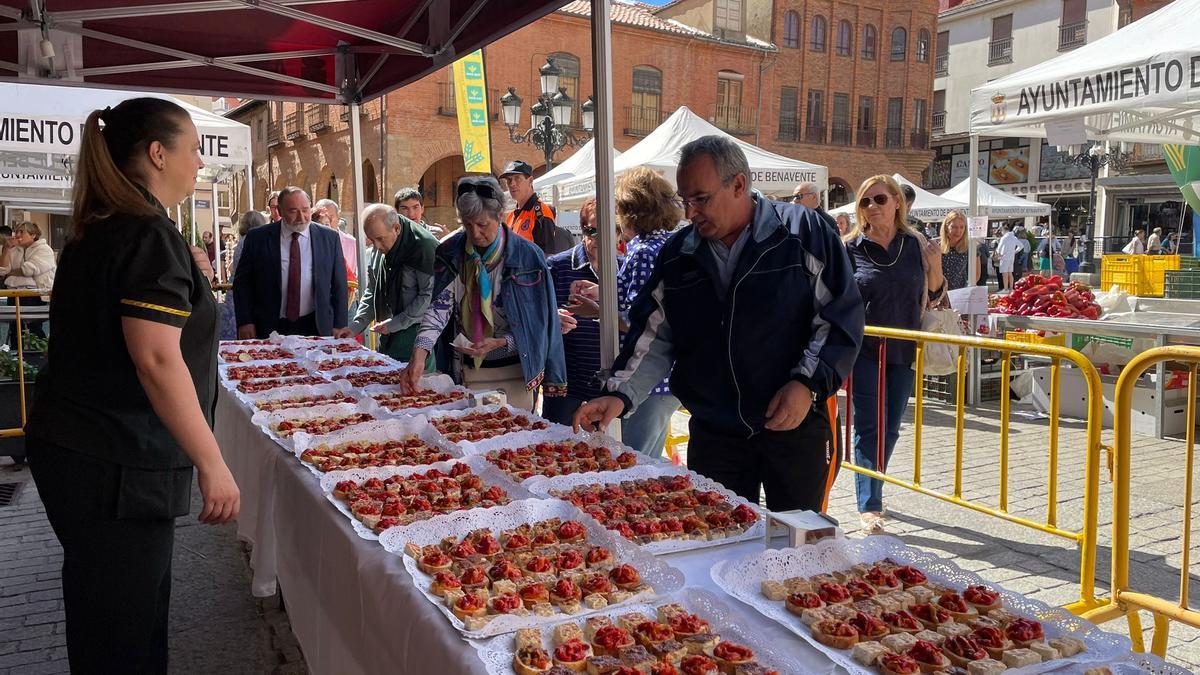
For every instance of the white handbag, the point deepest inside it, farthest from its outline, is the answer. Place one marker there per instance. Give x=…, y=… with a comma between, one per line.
x=940, y=358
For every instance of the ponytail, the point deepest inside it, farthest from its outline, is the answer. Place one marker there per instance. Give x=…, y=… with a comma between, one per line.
x=109, y=158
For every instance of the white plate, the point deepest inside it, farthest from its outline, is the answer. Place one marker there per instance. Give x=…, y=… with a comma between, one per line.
x=497, y=653
x=541, y=486
x=268, y=420
x=391, y=429
x=655, y=572
x=557, y=431
x=742, y=578
x=439, y=383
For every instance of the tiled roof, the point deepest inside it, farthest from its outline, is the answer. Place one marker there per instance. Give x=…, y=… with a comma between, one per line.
x=633, y=14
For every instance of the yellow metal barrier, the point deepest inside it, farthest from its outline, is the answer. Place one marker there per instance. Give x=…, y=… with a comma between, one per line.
x=1125, y=601
x=1085, y=537
x=16, y=295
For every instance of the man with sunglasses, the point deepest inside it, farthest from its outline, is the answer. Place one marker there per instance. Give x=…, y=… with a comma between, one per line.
x=754, y=306
x=532, y=219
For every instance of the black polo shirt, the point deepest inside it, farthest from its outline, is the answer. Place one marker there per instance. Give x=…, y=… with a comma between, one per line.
x=89, y=398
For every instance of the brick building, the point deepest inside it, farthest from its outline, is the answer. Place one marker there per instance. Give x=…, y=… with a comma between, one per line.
x=847, y=85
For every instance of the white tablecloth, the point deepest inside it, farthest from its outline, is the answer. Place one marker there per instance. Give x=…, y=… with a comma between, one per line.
x=352, y=605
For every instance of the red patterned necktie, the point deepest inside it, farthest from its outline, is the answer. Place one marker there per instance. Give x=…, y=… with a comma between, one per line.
x=293, y=285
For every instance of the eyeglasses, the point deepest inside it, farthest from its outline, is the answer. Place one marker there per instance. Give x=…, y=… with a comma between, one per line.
x=879, y=199
x=698, y=202
x=589, y=231
x=485, y=190
x=796, y=198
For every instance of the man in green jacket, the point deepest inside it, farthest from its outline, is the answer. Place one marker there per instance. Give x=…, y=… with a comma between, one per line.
x=399, y=283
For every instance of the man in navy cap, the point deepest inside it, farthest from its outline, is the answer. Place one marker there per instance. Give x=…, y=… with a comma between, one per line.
x=532, y=219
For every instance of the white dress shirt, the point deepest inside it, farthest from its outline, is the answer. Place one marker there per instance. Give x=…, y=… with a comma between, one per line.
x=306, y=265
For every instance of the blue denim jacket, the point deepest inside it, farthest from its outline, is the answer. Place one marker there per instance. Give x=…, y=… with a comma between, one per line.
x=527, y=294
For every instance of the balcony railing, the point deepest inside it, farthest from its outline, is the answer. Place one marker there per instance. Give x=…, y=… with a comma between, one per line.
x=1147, y=152
x=841, y=135
x=789, y=129
x=293, y=124
x=274, y=134
x=318, y=117
x=939, y=121
x=345, y=116
x=865, y=138
x=893, y=137
x=919, y=139
x=1000, y=51
x=735, y=119
x=814, y=133
x=1072, y=35
x=641, y=120
x=941, y=64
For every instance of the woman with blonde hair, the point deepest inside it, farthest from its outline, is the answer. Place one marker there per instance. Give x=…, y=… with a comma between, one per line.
x=955, y=246
x=899, y=273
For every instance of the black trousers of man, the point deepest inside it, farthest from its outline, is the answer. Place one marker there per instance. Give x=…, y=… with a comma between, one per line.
x=305, y=325
x=117, y=530
x=792, y=467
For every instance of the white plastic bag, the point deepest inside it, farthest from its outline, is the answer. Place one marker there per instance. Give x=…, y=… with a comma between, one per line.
x=941, y=358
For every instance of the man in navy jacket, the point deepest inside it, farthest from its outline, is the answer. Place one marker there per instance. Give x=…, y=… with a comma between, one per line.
x=755, y=307
x=291, y=278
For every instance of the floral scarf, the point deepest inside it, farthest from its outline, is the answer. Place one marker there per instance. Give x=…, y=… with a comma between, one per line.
x=476, y=305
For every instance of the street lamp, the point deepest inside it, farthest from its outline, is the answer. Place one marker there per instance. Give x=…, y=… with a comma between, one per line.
x=550, y=124
x=1093, y=158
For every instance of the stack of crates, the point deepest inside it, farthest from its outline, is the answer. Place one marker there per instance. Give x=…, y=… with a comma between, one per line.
x=1182, y=284
x=944, y=387
x=1123, y=271
x=1155, y=268
x=1078, y=342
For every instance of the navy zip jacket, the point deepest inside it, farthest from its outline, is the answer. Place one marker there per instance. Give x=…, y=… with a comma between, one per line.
x=792, y=312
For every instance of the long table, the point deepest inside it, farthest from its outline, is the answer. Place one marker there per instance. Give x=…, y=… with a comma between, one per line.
x=352, y=605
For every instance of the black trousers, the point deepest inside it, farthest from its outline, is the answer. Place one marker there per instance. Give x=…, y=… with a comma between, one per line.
x=305, y=325
x=117, y=543
x=791, y=466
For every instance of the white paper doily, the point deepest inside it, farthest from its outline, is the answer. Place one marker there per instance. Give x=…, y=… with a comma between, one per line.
x=303, y=343
x=541, y=486
x=268, y=420
x=661, y=577
x=391, y=429
x=439, y=383
x=742, y=578
x=497, y=652
x=339, y=387
x=480, y=467
x=238, y=349
x=224, y=368
x=480, y=447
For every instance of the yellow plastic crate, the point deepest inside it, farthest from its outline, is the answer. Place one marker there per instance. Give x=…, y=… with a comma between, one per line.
x=1154, y=268
x=1031, y=337
x=1127, y=272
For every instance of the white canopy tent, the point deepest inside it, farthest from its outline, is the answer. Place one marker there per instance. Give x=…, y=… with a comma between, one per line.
x=927, y=207
x=995, y=203
x=660, y=151
x=1141, y=84
x=582, y=163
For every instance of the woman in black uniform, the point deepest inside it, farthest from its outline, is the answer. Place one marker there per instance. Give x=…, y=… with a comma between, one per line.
x=124, y=407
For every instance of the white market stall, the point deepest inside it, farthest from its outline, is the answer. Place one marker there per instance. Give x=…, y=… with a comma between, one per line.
x=927, y=207
x=659, y=150
x=40, y=131
x=995, y=203
x=549, y=186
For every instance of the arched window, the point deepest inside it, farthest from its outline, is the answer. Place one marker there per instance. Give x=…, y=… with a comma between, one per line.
x=645, y=109
x=791, y=30
x=923, y=46
x=899, y=43
x=819, y=31
x=845, y=35
x=868, y=43
x=568, y=79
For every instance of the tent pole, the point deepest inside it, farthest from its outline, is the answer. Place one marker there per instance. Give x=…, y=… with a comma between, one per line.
x=356, y=176
x=216, y=223
x=605, y=204
x=250, y=187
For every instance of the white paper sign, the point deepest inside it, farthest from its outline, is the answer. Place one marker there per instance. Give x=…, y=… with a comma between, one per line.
x=969, y=300
x=1066, y=132
x=977, y=227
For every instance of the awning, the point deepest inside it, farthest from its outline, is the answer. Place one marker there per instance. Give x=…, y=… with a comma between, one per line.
x=994, y=202
x=325, y=51
x=1140, y=84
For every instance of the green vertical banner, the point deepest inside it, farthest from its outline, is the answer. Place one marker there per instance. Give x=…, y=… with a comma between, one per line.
x=1184, y=163
x=470, y=99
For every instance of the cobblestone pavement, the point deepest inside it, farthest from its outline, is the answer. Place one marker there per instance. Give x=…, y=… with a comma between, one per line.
x=215, y=625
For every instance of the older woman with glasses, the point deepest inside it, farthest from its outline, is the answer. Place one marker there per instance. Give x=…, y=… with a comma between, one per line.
x=899, y=272
x=495, y=289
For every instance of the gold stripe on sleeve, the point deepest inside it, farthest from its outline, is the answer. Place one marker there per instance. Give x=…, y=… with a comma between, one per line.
x=157, y=308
